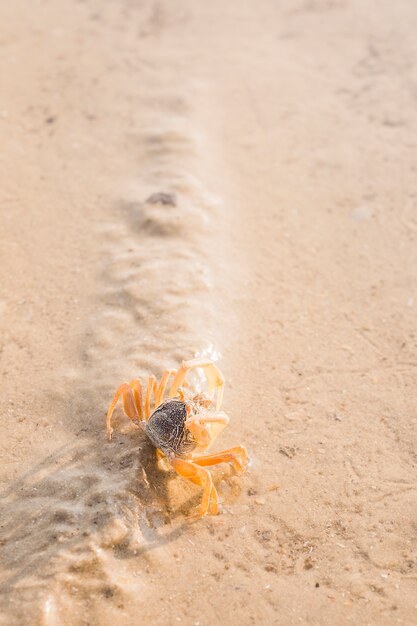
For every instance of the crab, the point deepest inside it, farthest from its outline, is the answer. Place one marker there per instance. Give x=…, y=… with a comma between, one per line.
x=184, y=425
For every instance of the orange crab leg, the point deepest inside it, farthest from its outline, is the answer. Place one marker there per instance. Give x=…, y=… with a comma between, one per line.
x=136, y=386
x=215, y=379
x=202, y=477
x=129, y=406
x=237, y=455
x=150, y=388
x=216, y=418
x=205, y=428
x=200, y=433
x=161, y=387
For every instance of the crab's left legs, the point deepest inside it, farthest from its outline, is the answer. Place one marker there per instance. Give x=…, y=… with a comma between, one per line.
x=199, y=476
x=214, y=498
x=215, y=379
x=237, y=456
x=197, y=425
x=216, y=418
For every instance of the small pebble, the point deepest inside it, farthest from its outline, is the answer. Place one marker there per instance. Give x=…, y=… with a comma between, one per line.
x=161, y=197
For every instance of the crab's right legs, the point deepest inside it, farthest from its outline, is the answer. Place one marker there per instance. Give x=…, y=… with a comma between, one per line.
x=129, y=405
x=160, y=390
x=136, y=386
x=199, y=476
x=151, y=388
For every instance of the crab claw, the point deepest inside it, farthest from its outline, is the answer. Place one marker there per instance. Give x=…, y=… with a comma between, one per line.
x=214, y=377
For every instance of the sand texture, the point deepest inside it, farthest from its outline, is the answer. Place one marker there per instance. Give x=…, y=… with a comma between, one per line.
x=235, y=179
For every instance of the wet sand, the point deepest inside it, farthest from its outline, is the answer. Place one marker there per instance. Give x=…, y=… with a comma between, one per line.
x=284, y=135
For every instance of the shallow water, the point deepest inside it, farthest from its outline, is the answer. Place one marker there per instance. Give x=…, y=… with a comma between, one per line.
x=73, y=523
x=80, y=523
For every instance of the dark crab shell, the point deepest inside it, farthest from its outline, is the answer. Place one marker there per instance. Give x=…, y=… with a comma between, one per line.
x=166, y=429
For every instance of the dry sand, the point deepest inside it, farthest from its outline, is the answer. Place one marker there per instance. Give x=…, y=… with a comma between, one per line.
x=287, y=132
